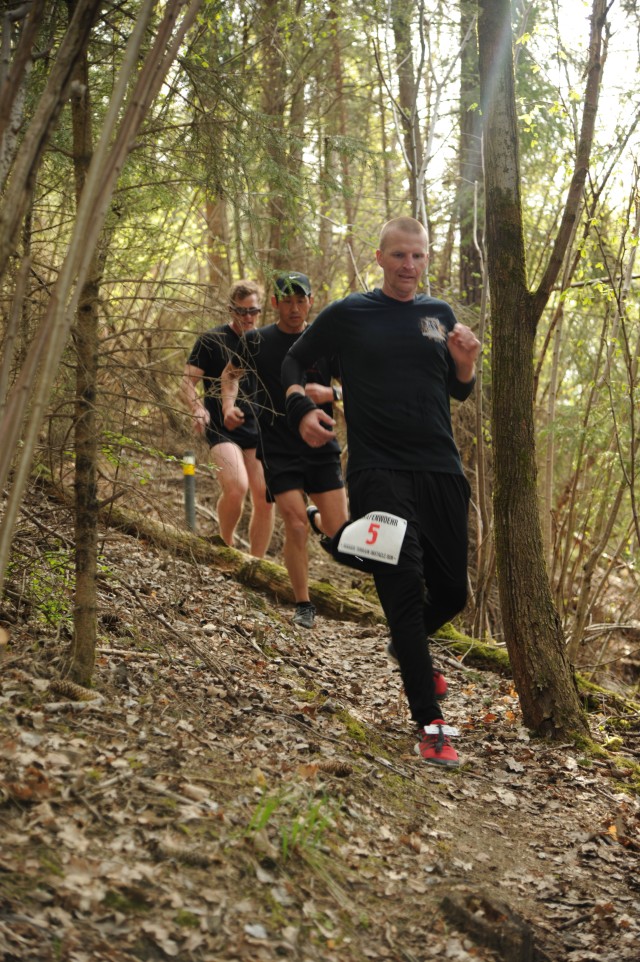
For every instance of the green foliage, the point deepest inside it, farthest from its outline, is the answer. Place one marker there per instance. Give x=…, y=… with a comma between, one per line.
x=307, y=829
x=187, y=919
x=120, y=450
x=128, y=902
x=300, y=821
x=47, y=584
x=353, y=727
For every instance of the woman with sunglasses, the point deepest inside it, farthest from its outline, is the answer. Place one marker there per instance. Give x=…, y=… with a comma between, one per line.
x=233, y=452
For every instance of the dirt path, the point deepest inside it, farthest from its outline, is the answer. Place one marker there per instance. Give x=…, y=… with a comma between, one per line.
x=243, y=791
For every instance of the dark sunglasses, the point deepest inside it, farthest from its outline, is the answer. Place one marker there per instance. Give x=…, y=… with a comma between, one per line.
x=244, y=311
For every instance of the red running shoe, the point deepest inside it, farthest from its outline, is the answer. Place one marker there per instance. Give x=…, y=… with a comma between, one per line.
x=435, y=745
x=440, y=683
x=439, y=680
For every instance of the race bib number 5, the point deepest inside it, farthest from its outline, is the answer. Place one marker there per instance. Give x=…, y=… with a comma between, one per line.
x=378, y=536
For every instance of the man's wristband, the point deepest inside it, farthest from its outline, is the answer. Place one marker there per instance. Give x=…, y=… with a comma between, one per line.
x=296, y=406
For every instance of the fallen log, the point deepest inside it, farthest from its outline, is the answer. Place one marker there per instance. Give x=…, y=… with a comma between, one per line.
x=346, y=605
x=258, y=573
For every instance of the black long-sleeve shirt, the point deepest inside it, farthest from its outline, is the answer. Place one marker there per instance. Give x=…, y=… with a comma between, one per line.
x=397, y=377
x=261, y=353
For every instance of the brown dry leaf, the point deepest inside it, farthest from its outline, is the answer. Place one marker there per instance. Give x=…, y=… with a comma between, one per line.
x=33, y=786
x=195, y=792
x=604, y=908
x=308, y=771
x=489, y=718
x=160, y=935
x=413, y=842
x=310, y=710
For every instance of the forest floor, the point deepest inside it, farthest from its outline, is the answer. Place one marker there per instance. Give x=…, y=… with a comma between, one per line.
x=239, y=790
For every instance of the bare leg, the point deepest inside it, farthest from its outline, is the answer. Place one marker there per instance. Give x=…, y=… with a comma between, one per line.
x=332, y=507
x=296, y=529
x=262, y=513
x=234, y=482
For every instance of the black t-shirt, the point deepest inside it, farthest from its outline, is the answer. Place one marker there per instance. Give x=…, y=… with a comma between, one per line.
x=211, y=353
x=397, y=376
x=261, y=353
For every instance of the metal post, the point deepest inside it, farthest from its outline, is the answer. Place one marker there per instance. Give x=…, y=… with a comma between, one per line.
x=189, y=470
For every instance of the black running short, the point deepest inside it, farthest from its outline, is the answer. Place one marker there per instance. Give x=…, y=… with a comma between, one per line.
x=245, y=442
x=313, y=477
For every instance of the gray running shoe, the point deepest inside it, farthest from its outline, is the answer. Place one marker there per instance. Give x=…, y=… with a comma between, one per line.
x=304, y=615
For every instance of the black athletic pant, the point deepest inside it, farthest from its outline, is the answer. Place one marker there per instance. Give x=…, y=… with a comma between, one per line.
x=428, y=586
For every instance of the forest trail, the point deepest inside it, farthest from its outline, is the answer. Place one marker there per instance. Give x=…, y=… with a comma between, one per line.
x=242, y=791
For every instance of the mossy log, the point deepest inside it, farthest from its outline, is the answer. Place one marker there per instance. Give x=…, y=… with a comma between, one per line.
x=346, y=605
x=263, y=575
x=484, y=654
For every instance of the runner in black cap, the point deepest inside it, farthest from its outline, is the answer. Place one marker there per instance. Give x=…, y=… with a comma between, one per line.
x=291, y=466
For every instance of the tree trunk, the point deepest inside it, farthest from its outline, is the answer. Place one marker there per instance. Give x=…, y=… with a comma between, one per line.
x=384, y=144
x=82, y=651
x=81, y=657
x=13, y=79
x=35, y=380
x=217, y=245
x=532, y=627
x=401, y=21
x=36, y=138
x=470, y=204
x=258, y=573
x=342, y=129
x=273, y=106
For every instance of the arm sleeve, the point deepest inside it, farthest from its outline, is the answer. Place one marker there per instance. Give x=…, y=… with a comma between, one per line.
x=242, y=356
x=316, y=342
x=195, y=358
x=292, y=372
x=460, y=390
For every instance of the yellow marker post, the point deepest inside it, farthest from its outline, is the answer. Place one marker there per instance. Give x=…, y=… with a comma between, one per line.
x=189, y=471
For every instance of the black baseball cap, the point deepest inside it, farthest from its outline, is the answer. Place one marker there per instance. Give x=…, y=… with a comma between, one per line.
x=292, y=282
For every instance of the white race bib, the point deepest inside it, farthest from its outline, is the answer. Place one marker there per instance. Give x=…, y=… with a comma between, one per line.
x=379, y=536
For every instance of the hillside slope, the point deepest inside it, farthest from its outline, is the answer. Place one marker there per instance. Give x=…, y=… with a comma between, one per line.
x=240, y=791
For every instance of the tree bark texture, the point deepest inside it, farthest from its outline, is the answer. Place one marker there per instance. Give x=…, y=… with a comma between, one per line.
x=28, y=158
x=470, y=206
x=532, y=627
x=82, y=651
x=273, y=105
x=13, y=74
x=341, y=124
x=81, y=657
x=401, y=20
x=35, y=380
